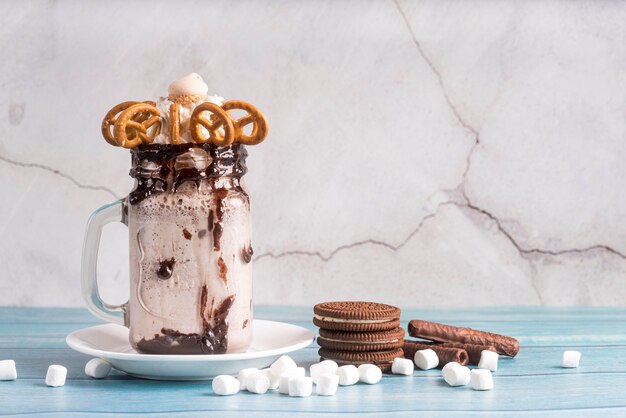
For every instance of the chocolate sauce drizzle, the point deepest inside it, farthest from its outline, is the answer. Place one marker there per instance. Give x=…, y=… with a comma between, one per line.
x=163, y=175
x=166, y=269
x=213, y=339
x=218, y=230
x=247, y=252
x=223, y=270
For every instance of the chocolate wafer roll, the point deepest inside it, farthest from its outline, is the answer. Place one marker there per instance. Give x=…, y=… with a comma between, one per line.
x=445, y=354
x=507, y=346
x=473, y=350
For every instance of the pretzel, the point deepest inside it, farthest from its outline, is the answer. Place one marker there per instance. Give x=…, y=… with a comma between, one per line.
x=175, y=123
x=219, y=119
x=132, y=127
x=111, y=116
x=254, y=117
x=109, y=120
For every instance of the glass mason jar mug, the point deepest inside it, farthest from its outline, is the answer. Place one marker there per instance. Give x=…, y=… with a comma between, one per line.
x=188, y=220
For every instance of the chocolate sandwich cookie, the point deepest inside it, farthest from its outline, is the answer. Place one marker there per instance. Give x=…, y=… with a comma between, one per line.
x=382, y=359
x=356, y=316
x=361, y=341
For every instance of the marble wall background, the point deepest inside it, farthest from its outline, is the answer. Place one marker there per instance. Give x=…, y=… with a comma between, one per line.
x=421, y=153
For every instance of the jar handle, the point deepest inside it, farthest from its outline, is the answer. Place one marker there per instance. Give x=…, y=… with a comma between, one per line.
x=113, y=212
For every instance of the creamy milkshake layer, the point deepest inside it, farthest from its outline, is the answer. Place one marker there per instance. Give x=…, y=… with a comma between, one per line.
x=191, y=276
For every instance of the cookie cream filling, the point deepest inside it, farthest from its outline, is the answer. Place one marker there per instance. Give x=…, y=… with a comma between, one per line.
x=360, y=342
x=352, y=321
x=344, y=362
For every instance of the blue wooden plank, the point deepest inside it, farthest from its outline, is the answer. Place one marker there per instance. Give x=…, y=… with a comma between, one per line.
x=552, y=332
x=590, y=412
x=32, y=363
x=393, y=394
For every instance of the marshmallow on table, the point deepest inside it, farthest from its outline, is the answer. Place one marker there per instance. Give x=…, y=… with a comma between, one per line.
x=571, y=359
x=327, y=384
x=97, y=368
x=56, y=375
x=370, y=374
x=426, y=359
x=243, y=376
x=7, y=370
x=257, y=383
x=481, y=379
x=455, y=374
x=282, y=365
x=326, y=366
x=272, y=378
x=348, y=375
x=300, y=386
x=402, y=366
x=283, y=380
x=225, y=385
x=488, y=360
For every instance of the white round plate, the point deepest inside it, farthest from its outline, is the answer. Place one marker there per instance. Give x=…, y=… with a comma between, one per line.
x=110, y=342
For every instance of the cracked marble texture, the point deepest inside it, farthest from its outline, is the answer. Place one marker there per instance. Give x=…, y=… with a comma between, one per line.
x=421, y=153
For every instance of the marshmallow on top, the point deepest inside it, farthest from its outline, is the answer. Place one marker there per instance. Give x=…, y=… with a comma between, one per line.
x=189, y=85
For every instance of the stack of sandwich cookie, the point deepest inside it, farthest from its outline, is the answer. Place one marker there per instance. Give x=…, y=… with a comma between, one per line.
x=359, y=333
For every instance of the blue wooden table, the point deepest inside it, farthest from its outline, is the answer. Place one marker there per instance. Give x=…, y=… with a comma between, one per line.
x=533, y=384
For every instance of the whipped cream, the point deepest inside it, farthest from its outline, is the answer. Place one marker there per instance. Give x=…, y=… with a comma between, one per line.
x=191, y=85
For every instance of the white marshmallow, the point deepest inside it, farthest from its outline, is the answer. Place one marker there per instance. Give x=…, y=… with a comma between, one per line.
x=348, y=375
x=488, y=360
x=571, y=359
x=191, y=84
x=272, y=378
x=426, y=359
x=282, y=365
x=402, y=366
x=97, y=368
x=224, y=385
x=300, y=386
x=455, y=375
x=257, y=383
x=327, y=384
x=370, y=374
x=56, y=375
x=243, y=376
x=8, y=370
x=326, y=366
x=283, y=380
x=481, y=379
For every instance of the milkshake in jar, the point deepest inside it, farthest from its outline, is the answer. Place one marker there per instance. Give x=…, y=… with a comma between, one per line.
x=188, y=219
